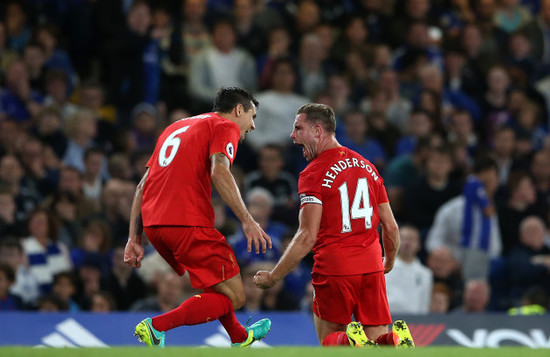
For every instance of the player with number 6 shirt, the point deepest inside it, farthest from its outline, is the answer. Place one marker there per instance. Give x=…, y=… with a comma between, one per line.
x=172, y=205
x=342, y=202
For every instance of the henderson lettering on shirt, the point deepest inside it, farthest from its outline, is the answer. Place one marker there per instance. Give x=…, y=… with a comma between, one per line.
x=342, y=165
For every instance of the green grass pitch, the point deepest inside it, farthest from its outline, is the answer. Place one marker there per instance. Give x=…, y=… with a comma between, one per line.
x=270, y=352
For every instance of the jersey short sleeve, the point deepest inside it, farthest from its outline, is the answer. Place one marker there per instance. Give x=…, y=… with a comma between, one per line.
x=382, y=193
x=225, y=139
x=309, y=188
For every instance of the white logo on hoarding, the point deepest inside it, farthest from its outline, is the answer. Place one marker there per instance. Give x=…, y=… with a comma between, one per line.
x=484, y=338
x=70, y=333
x=230, y=150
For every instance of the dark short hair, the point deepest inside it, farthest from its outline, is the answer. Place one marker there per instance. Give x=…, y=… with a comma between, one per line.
x=228, y=98
x=484, y=163
x=319, y=114
x=8, y=271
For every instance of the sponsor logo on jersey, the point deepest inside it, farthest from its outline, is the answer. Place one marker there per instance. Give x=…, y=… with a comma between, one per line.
x=230, y=150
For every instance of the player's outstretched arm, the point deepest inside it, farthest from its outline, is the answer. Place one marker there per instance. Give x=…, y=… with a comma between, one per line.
x=302, y=243
x=229, y=191
x=390, y=235
x=134, y=252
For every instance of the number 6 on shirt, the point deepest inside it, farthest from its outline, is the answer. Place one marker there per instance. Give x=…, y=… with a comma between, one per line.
x=358, y=210
x=173, y=141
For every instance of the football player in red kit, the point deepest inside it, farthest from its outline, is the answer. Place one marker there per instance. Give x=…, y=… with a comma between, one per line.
x=172, y=205
x=343, y=199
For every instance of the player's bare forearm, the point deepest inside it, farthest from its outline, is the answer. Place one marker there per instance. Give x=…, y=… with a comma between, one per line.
x=390, y=235
x=301, y=244
x=303, y=241
x=227, y=187
x=136, y=221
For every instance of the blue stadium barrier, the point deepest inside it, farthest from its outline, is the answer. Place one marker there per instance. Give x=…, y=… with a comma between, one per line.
x=288, y=329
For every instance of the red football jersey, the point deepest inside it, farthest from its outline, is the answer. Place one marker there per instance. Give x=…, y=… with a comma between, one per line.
x=350, y=188
x=177, y=191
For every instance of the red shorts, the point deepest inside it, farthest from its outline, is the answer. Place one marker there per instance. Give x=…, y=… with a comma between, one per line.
x=202, y=251
x=337, y=298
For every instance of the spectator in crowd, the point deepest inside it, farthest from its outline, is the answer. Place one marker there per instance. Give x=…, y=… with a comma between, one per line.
x=7, y=55
x=10, y=135
x=397, y=107
x=280, y=183
x=49, y=130
x=194, y=30
x=520, y=204
x=278, y=47
x=468, y=224
x=57, y=96
x=259, y=202
x=71, y=182
x=8, y=224
x=422, y=200
x=81, y=129
x=536, y=31
x=34, y=58
x=311, y=65
x=250, y=35
x=495, y=101
x=120, y=168
x=116, y=202
x=134, y=68
x=169, y=295
x=26, y=285
x=11, y=175
x=278, y=107
x=504, y=145
x=94, y=242
x=440, y=299
x=222, y=65
x=46, y=255
x=404, y=172
x=92, y=97
x=92, y=179
x=8, y=301
x=476, y=297
x=103, y=302
x=63, y=207
x=64, y=286
x=122, y=281
x=18, y=100
x=461, y=131
x=356, y=137
x=540, y=171
x=420, y=124
x=529, y=260
x=494, y=39
x=89, y=276
x=52, y=303
x=145, y=126
x=55, y=57
x=38, y=176
x=446, y=270
x=409, y=284
x=17, y=26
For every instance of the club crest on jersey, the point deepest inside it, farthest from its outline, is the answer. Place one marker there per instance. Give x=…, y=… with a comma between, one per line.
x=230, y=150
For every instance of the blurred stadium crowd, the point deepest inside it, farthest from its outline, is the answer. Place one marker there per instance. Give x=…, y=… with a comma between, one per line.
x=448, y=98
